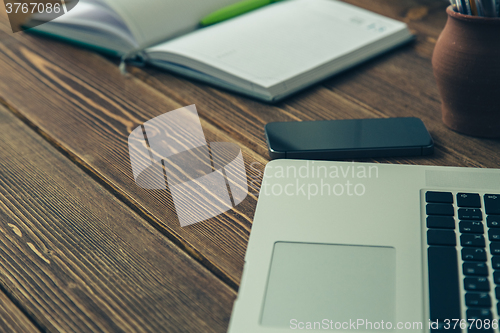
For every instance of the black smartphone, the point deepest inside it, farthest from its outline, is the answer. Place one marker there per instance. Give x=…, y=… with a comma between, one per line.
x=350, y=138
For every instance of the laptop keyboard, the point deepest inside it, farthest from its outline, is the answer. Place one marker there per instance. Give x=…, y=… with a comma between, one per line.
x=463, y=238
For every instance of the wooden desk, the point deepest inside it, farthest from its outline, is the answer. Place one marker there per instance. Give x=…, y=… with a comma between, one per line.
x=83, y=249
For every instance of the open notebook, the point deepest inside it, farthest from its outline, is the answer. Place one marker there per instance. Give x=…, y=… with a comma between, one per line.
x=268, y=53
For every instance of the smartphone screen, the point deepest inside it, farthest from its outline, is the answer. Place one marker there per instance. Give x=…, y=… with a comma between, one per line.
x=350, y=138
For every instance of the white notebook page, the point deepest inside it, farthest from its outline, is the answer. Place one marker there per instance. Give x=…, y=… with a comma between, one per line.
x=152, y=21
x=282, y=40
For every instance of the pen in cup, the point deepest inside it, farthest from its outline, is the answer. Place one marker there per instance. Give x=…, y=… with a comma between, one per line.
x=462, y=6
x=454, y=5
x=488, y=7
x=467, y=8
x=485, y=8
x=459, y=6
x=473, y=8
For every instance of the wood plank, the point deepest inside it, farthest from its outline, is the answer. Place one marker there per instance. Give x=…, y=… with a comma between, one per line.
x=399, y=83
x=75, y=91
x=106, y=107
x=12, y=319
x=404, y=74
x=388, y=89
x=79, y=260
x=242, y=118
x=248, y=116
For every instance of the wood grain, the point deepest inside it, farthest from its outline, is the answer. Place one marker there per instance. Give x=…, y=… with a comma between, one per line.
x=397, y=84
x=12, y=319
x=78, y=260
x=82, y=104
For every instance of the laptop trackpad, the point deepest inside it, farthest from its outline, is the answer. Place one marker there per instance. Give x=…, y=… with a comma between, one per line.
x=322, y=283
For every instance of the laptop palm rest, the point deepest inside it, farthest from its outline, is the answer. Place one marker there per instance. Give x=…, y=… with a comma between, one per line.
x=327, y=283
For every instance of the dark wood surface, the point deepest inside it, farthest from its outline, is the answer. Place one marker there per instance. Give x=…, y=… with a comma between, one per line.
x=12, y=319
x=76, y=259
x=108, y=256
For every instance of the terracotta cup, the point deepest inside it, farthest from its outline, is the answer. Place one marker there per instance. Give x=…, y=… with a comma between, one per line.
x=466, y=64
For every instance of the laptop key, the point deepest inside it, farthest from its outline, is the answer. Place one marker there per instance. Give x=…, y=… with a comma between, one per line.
x=439, y=209
x=439, y=197
x=444, y=296
x=495, y=248
x=475, y=268
x=473, y=254
x=468, y=200
x=475, y=227
x=476, y=284
x=441, y=237
x=442, y=222
x=478, y=299
x=492, y=203
x=472, y=240
x=470, y=214
x=496, y=277
x=477, y=317
x=494, y=235
x=493, y=221
x=444, y=284
x=479, y=314
x=495, y=262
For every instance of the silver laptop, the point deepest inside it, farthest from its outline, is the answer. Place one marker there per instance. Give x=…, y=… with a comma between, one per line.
x=339, y=246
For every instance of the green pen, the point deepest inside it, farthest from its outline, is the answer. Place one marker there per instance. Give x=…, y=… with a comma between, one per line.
x=234, y=10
